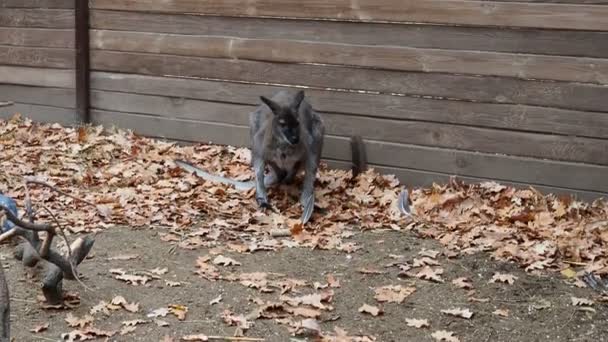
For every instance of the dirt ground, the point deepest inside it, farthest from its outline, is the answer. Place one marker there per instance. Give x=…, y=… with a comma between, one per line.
x=540, y=307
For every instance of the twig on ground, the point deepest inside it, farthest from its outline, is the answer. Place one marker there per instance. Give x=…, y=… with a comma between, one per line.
x=69, y=248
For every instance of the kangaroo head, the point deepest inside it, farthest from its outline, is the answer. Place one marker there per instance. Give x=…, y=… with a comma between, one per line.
x=285, y=123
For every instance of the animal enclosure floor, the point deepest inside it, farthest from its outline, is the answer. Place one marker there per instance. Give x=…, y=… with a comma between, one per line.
x=537, y=307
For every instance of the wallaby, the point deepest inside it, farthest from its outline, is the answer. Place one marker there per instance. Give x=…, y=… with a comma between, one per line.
x=287, y=135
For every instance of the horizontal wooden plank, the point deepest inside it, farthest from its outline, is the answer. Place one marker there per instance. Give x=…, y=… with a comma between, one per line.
x=66, y=4
x=37, y=57
x=64, y=116
x=576, y=69
x=172, y=107
x=524, y=170
x=37, y=18
x=180, y=95
x=486, y=13
x=490, y=166
x=419, y=178
x=554, y=147
x=55, y=97
x=534, y=41
x=52, y=38
x=400, y=131
x=481, y=89
x=59, y=78
x=198, y=131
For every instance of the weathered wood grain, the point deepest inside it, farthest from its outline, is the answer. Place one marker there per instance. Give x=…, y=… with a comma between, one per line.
x=489, y=165
x=486, y=13
x=483, y=89
x=37, y=18
x=420, y=178
x=576, y=69
x=184, y=130
x=471, y=138
x=37, y=57
x=64, y=116
x=400, y=131
x=65, y=4
x=172, y=107
x=59, y=78
x=181, y=95
x=55, y=97
x=432, y=159
x=550, y=42
x=52, y=38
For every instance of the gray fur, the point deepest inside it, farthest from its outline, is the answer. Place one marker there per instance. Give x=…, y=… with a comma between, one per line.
x=271, y=147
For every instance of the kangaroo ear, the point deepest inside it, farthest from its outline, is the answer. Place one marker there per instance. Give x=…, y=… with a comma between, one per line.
x=298, y=98
x=271, y=104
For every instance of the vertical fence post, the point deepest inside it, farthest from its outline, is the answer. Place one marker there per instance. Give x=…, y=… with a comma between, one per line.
x=82, y=61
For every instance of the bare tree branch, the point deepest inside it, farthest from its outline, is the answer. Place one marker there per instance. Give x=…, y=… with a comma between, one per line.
x=30, y=180
x=26, y=225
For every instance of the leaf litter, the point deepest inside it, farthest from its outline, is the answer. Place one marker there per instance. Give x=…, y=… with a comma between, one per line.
x=151, y=190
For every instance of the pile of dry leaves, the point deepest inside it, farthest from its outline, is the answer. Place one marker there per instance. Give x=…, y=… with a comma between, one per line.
x=133, y=181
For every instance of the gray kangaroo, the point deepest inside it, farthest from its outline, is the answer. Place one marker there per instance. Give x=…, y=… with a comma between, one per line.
x=286, y=135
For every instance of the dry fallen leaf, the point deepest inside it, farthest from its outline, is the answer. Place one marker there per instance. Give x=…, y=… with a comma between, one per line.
x=127, y=330
x=74, y=321
x=159, y=271
x=503, y=278
x=333, y=281
x=425, y=261
x=311, y=326
x=40, y=328
x=216, y=300
x=429, y=253
x=446, y=336
x=464, y=313
x=223, y=261
x=372, y=310
x=120, y=302
x=172, y=283
x=463, y=283
x=371, y=271
x=129, y=278
x=101, y=307
x=199, y=337
x=428, y=273
x=581, y=301
x=88, y=333
x=179, y=311
x=393, y=293
x=501, y=312
x=417, y=323
x=162, y=312
x=134, y=322
x=161, y=323
x=568, y=273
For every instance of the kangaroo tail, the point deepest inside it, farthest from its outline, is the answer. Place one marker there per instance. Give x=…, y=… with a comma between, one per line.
x=241, y=186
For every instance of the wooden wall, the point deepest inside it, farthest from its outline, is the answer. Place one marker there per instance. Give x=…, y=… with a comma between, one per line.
x=37, y=59
x=515, y=91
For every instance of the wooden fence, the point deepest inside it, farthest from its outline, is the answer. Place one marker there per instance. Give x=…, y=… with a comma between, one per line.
x=504, y=90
